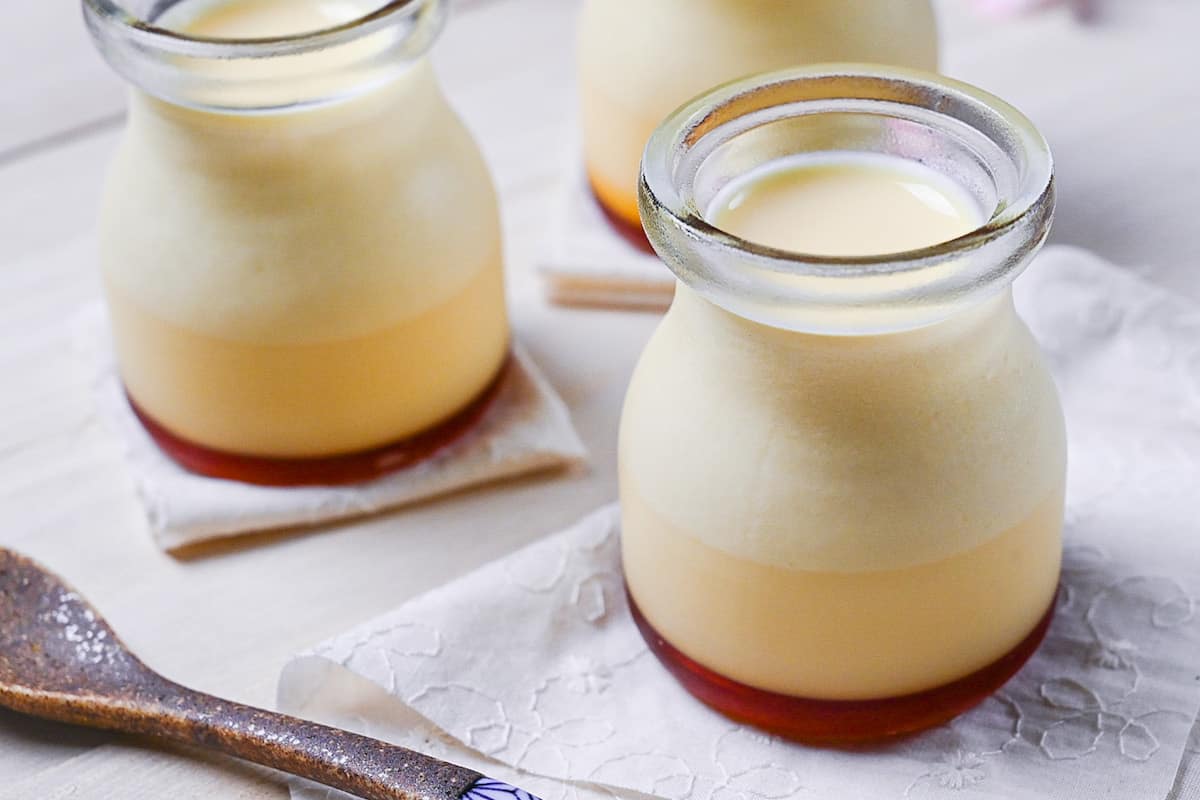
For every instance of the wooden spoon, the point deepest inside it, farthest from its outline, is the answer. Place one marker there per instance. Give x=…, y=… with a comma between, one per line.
x=60, y=660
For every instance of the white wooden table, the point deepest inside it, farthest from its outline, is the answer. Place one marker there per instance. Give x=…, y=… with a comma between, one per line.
x=1119, y=101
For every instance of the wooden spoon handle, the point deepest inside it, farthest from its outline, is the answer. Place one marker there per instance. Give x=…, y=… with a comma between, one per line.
x=362, y=766
x=366, y=767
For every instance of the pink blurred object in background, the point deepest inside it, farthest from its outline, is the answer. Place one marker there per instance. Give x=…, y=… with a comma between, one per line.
x=1083, y=9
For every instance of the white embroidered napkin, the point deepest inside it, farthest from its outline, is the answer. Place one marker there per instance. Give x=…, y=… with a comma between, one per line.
x=531, y=669
x=526, y=429
x=588, y=263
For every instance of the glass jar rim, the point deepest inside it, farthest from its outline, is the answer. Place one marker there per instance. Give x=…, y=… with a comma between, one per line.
x=111, y=15
x=286, y=73
x=729, y=269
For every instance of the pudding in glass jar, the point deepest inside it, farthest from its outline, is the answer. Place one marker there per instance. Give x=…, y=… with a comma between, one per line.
x=842, y=457
x=640, y=59
x=300, y=242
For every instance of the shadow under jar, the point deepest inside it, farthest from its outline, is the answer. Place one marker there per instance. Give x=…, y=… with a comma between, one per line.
x=641, y=59
x=842, y=476
x=299, y=240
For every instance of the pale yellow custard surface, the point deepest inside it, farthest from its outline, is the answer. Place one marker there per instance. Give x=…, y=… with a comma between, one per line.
x=253, y=19
x=641, y=59
x=816, y=205
x=841, y=517
x=302, y=282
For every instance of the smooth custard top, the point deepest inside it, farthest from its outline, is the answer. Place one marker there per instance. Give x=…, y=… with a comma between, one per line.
x=845, y=204
x=249, y=19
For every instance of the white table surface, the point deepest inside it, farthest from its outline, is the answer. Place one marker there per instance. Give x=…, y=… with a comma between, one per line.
x=1118, y=99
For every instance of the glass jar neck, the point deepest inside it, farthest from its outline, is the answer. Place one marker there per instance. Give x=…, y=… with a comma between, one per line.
x=972, y=138
x=403, y=104
x=974, y=334
x=263, y=75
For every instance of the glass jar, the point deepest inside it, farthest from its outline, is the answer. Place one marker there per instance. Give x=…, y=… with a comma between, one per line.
x=842, y=477
x=641, y=59
x=299, y=239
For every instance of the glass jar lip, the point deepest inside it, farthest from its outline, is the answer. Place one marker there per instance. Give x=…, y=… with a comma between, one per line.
x=143, y=33
x=660, y=196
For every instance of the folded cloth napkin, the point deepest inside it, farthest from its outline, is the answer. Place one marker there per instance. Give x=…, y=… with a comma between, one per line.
x=531, y=669
x=588, y=263
x=526, y=429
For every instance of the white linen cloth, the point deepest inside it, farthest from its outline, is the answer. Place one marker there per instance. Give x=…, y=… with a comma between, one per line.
x=526, y=429
x=588, y=263
x=531, y=670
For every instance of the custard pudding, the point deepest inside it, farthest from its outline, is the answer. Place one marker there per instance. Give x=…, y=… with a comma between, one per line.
x=848, y=517
x=311, y=277
x=841, y=517
x=640, y=59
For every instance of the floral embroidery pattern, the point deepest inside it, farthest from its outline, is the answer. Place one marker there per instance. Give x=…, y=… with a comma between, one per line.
x=1082, y=731
x=1080, y=734
x=584, y=676
x=964, y=752
x=959, y=770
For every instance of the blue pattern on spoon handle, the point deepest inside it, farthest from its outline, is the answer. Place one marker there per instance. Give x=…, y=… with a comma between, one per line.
x=490, y=789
